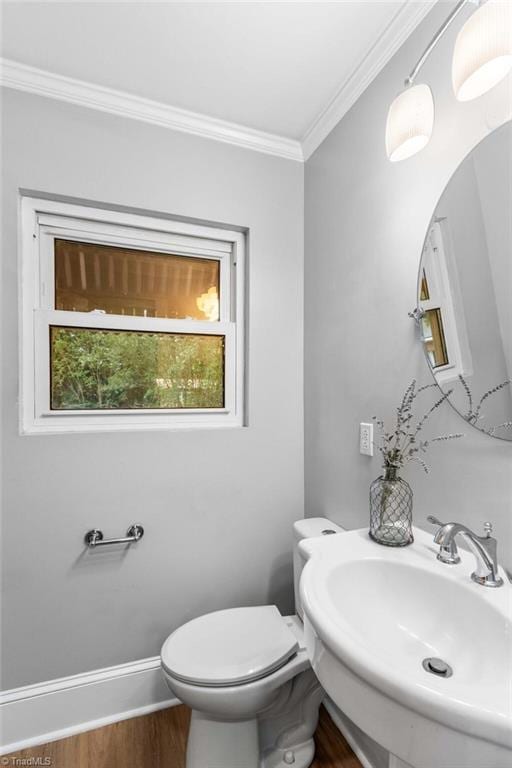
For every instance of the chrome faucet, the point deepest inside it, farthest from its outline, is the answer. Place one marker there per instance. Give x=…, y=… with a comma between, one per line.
x=484, y=549
x=448, y=553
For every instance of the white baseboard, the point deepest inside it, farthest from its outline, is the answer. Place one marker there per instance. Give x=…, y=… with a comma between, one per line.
x=45, y=712
x=36, y=714
x=369, y=754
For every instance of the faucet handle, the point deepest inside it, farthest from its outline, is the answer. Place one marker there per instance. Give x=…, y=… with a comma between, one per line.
x=448, y=554
x=488, y=530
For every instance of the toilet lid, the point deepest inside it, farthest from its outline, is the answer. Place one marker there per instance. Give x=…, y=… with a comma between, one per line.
x=229, y=647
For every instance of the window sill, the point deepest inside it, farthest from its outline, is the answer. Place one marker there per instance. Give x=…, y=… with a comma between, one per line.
x=144, y=424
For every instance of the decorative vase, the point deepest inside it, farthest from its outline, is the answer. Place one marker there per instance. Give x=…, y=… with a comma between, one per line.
x=391, y=510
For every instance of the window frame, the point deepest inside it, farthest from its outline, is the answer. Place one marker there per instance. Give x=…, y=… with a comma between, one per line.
x=443, y=290
x=41, y=222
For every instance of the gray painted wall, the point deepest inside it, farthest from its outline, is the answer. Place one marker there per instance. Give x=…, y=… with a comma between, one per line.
x=217, y=505
x=366, y=220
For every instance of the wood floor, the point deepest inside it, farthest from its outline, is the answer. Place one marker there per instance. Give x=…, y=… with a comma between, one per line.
x=158, y=741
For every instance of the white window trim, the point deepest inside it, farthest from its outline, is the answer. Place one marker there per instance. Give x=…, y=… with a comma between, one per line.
x=40, y=221
x=443, y=292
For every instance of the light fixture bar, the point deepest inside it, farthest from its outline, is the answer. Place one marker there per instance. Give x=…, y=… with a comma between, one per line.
x=430, y=47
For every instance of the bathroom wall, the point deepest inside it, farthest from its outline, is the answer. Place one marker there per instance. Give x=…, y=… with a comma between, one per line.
x=217, y=505
x=366, y=219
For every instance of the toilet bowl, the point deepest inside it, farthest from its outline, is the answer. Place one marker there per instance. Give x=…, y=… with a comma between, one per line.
x=246, y=676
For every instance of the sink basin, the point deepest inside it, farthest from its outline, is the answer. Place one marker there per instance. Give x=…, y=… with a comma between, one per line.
x=373, y=614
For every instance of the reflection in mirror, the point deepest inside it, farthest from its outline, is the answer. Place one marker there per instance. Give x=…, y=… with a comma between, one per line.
x=465, y=287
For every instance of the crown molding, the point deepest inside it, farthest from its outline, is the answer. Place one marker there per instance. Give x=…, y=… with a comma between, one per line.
x=32, y=80
x=396, y=33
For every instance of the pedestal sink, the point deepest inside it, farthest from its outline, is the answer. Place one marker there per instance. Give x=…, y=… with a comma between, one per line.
x=374, y=616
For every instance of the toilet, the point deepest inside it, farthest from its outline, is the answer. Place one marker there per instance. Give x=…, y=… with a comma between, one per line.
x=246, y=676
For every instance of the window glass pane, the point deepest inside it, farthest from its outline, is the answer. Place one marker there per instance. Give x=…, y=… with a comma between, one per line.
x=433, y=337
x=108, y=370
x=125, y=281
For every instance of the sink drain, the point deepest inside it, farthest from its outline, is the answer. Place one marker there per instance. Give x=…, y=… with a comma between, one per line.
x=437, y=667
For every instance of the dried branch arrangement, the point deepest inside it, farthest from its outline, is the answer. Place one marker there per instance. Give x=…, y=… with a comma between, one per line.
x=404, y=444
x=474, y=414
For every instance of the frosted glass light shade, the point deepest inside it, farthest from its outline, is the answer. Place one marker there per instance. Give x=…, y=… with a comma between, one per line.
x=410, y=122
x=483, y=50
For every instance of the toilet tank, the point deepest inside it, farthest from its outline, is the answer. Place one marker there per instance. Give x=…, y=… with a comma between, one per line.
x=307, y=528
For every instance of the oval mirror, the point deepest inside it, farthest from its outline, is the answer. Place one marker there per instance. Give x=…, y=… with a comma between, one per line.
x=465, y=287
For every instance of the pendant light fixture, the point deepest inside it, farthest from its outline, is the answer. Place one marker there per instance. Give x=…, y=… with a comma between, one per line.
x=410, y=122
x=482, y=57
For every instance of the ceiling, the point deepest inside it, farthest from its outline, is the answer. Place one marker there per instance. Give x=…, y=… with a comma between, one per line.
x=275, y=67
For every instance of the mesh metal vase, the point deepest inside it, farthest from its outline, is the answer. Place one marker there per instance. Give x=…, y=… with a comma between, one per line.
x=391, y=510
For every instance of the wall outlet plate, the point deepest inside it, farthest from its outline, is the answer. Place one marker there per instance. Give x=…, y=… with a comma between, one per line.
x=366, y=439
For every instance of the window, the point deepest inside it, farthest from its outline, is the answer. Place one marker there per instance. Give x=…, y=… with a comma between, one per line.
x=442, y=336
x=432, y=328
x=128, y=321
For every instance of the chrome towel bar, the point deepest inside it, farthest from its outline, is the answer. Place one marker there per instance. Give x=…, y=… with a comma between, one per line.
x=94, y=537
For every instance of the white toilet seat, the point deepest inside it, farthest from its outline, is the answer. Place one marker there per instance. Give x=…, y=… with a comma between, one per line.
x=229, y=648
x=242, y=700
x=236, y=698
